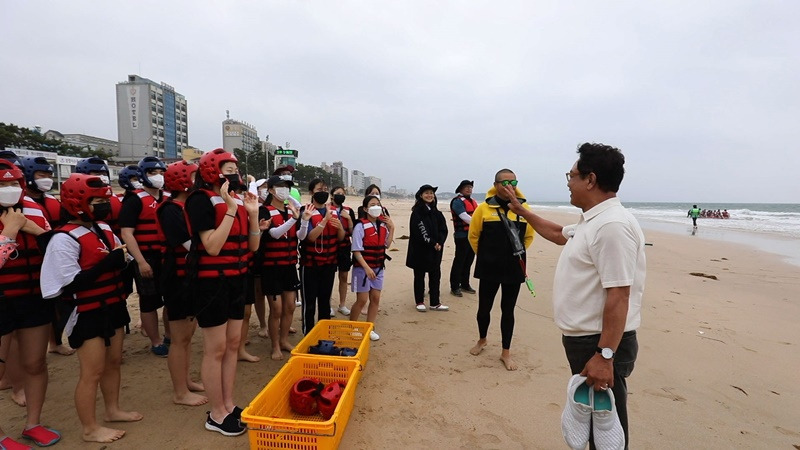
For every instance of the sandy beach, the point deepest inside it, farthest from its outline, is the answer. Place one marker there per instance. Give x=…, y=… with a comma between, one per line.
x=716, y=369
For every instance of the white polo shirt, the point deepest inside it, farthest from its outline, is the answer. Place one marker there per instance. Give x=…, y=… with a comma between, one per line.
x=604, y=249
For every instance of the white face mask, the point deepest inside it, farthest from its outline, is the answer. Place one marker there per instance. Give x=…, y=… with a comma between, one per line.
x=44, y=184
x=286, y=177
x=157, y=181
x=137, y=184
x=281, y=193
x=375, y=211
x=262, y=194
x=104, y=179
x=10, y=195
x=377, y=196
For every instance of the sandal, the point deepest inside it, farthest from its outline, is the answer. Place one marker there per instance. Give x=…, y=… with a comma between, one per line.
x=42, y=436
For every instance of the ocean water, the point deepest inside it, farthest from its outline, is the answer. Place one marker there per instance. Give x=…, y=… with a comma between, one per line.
x=772, y=227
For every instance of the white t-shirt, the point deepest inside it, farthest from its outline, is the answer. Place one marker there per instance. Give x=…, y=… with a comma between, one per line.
x=604, y=249
x=60, y=264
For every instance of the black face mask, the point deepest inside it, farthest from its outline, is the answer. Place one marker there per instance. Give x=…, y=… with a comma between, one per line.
x=320, y=197
x=101, y=210
x=338, y=199
x=233, y=181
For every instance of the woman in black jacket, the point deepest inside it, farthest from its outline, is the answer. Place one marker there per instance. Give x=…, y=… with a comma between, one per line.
x=428, y=233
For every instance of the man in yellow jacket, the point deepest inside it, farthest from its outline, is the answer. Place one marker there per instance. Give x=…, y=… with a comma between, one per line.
x=499, y=238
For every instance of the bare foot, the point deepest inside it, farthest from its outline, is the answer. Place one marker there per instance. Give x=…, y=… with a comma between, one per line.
x=244, y=356
x=509, y=363
x=122, y=416
x=4, y=384
x=194, y=386
x=103, y=434
x=62, y=349
x=475, y=351
x=286, y=346
x=19, y=397
x=276, y=355
x=262, y=332
x=292, y=330
x=190, y=399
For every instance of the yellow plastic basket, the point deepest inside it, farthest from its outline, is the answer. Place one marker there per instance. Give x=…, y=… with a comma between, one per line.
x=345, y=333
x=271, y=422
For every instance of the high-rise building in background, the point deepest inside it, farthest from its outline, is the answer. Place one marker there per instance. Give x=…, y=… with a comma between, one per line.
x=238, y=134
x=339, y=169
x=370, y=180
x=151, y=119
x=91, y=143
x=357, y=182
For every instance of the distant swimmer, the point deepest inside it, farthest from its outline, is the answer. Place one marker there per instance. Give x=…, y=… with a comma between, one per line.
x=694, y=213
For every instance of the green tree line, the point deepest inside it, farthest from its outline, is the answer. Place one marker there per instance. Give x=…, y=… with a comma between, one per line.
x=20, y=137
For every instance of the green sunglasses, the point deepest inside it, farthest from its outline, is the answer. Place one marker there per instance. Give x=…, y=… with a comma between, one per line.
x=507, y=182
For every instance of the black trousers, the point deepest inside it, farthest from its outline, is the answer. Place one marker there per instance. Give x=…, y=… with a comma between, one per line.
x=316, y=286
x=581, y=349
x=487, y=290
x=434, y=280
x=462, y=263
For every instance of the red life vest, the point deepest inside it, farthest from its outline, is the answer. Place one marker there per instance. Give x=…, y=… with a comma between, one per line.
x=344, y=217
x=323, y=251
x=19, y=277
x=147, y=233
x=469, y=205
x=234, y=256
x=179, y=251
x=50, y=206
x=374, y=241
x=281, y=251
x=107, y=289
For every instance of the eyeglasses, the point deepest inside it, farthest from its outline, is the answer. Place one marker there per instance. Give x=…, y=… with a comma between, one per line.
x=570, y=175
x=507, y=182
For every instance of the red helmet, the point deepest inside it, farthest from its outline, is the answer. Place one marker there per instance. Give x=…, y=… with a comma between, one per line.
x=11, y=172
x=210, y=163
x=178, y=177
x=329, y=398
x=303, y=397
x=77, y=192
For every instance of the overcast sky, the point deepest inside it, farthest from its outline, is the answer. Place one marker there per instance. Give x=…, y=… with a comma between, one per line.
x=702, y=97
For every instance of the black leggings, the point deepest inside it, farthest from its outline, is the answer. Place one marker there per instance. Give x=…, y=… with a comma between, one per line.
x=508, y=301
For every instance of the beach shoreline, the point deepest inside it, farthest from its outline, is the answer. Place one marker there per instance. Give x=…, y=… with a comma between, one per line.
x=718, y=333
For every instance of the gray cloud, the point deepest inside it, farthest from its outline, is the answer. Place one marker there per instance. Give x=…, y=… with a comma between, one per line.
x=700, y=97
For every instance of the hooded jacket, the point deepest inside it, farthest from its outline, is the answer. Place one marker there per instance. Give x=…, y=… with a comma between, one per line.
x=495, y=260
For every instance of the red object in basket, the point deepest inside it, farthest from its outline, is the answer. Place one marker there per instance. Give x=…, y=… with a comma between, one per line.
x=329, y=398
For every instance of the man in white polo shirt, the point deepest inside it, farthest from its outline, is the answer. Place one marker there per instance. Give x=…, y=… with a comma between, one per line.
x=599, y=279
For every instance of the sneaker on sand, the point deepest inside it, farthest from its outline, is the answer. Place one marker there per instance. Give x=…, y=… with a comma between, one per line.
x=230, y=425
x=160, y=350
x=41, y=436
x=333, y=313
x=577, y=416
x=344, y=310
x=298, y=303
x=10, y=444
x=439, y=307
x=456, y=293
x=373, y=336
x=468, y=290
x=421, y=307
x=608, y=433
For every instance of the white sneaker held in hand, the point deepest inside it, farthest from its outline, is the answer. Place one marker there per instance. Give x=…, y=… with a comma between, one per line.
x=577, y=416
x=608, y=433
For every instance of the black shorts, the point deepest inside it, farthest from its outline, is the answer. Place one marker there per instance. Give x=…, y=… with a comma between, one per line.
x=250, y=288
x=276, y=280
x=127, y=278
x=344, y=259
x=217, y=300
x=150, y=297
x=99, y=323
x=25, y=312
x=177, y=299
